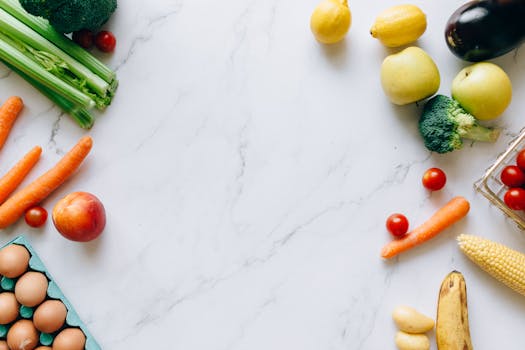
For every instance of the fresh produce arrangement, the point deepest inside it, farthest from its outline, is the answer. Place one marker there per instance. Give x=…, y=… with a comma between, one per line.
x=453, y=211
x=14, y=207
x=476, y=32
x=63, y=71
x=80, y=216
x=46, y=43
x=34, y=313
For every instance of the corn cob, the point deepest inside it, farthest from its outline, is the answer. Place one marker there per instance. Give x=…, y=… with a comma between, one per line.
x=501, y=262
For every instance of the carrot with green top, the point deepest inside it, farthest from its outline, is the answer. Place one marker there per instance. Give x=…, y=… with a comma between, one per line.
x=34, y=193
x=445, y=217
x=8, y=114
x=10, y=181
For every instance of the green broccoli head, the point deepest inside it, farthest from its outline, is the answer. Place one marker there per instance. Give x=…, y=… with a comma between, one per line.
x=444, y=124
x=72, y=15
x=36, y=7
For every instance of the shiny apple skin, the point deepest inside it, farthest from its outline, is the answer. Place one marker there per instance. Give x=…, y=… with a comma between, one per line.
x=79, y=216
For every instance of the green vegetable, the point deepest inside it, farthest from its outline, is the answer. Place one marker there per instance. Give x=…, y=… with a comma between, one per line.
x=72, y=15
x=67, y=74
x=444, y=123
x=83, y=118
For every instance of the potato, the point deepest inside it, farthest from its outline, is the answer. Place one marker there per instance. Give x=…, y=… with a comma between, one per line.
x=407, y=341
x=409, y=320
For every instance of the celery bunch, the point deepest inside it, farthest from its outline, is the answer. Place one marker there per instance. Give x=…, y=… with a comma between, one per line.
x=63, y=71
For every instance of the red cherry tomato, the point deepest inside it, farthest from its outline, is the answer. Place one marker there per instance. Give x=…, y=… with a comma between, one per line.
x=520, y=160
x=397, y=225
x=84, y=38
x=35, y=216
x=514, y=198
x=434, y=179
x=512, y=176
x=105, y=41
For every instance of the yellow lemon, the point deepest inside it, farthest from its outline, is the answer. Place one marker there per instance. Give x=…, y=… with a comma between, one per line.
x=399, y=25
x=330, y=21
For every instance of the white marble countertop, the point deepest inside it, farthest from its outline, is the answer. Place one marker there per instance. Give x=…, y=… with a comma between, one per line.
x=247, y=172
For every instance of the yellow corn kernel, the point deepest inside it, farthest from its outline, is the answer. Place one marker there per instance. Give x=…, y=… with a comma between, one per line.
x=501, y=262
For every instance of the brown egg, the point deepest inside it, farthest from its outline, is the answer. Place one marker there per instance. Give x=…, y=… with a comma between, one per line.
x=8, y=308
x=14, y=260
x=50, y=316
x=31, y=288
x=3, y=345
x=22, y=336
x=70, y=339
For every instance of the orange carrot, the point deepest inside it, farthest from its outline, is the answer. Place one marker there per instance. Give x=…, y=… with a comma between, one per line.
x=16, y=205
x=449, y=214
x=8, y=114
x=10, y=181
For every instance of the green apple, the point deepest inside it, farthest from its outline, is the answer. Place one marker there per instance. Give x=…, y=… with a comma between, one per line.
x=409, y=76
x=483, y=89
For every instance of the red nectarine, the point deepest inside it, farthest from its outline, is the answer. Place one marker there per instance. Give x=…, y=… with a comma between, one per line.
x=79, y=216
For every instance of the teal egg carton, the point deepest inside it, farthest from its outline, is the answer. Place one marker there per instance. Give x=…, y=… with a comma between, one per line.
x=53, y=292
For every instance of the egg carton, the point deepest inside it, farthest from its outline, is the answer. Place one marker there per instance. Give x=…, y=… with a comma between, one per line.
x=53, y=292
x=491, y=186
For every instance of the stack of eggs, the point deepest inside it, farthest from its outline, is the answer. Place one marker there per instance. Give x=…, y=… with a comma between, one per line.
x=30, y=318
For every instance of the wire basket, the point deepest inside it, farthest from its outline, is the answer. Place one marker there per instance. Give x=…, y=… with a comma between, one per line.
x=491, y=186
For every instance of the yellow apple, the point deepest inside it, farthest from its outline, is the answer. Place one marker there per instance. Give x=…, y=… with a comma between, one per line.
x=409, y=76
x=483, y=89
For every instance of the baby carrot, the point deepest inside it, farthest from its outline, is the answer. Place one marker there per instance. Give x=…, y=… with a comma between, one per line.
x=8, y=114
x=446, y=216
x=10, y=181
x=15, y=206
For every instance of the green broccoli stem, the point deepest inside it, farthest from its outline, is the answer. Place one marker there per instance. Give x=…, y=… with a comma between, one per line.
x=12, y=27
x=10, y=54
x=480, y=133
x=43, y=27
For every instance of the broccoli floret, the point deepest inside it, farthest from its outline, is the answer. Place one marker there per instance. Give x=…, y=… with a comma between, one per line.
x=444, y=123
x=72, y=15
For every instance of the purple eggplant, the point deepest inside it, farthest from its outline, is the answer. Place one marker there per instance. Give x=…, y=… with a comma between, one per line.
x=481, y=30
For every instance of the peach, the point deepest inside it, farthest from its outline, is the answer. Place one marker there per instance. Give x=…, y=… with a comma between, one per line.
x=79, y=216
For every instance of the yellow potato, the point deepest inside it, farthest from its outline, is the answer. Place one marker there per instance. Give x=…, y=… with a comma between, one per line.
x=410, y=320
x=407, y=341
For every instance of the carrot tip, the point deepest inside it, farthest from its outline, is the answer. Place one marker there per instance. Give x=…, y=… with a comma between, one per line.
x=87, y=141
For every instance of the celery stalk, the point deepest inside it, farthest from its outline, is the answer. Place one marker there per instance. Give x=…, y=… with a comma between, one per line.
x=42, y=27
x=16, y=29
x=10, y=54
x=80, y=115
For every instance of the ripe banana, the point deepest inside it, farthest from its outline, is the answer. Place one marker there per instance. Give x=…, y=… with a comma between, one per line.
x=452, y=325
